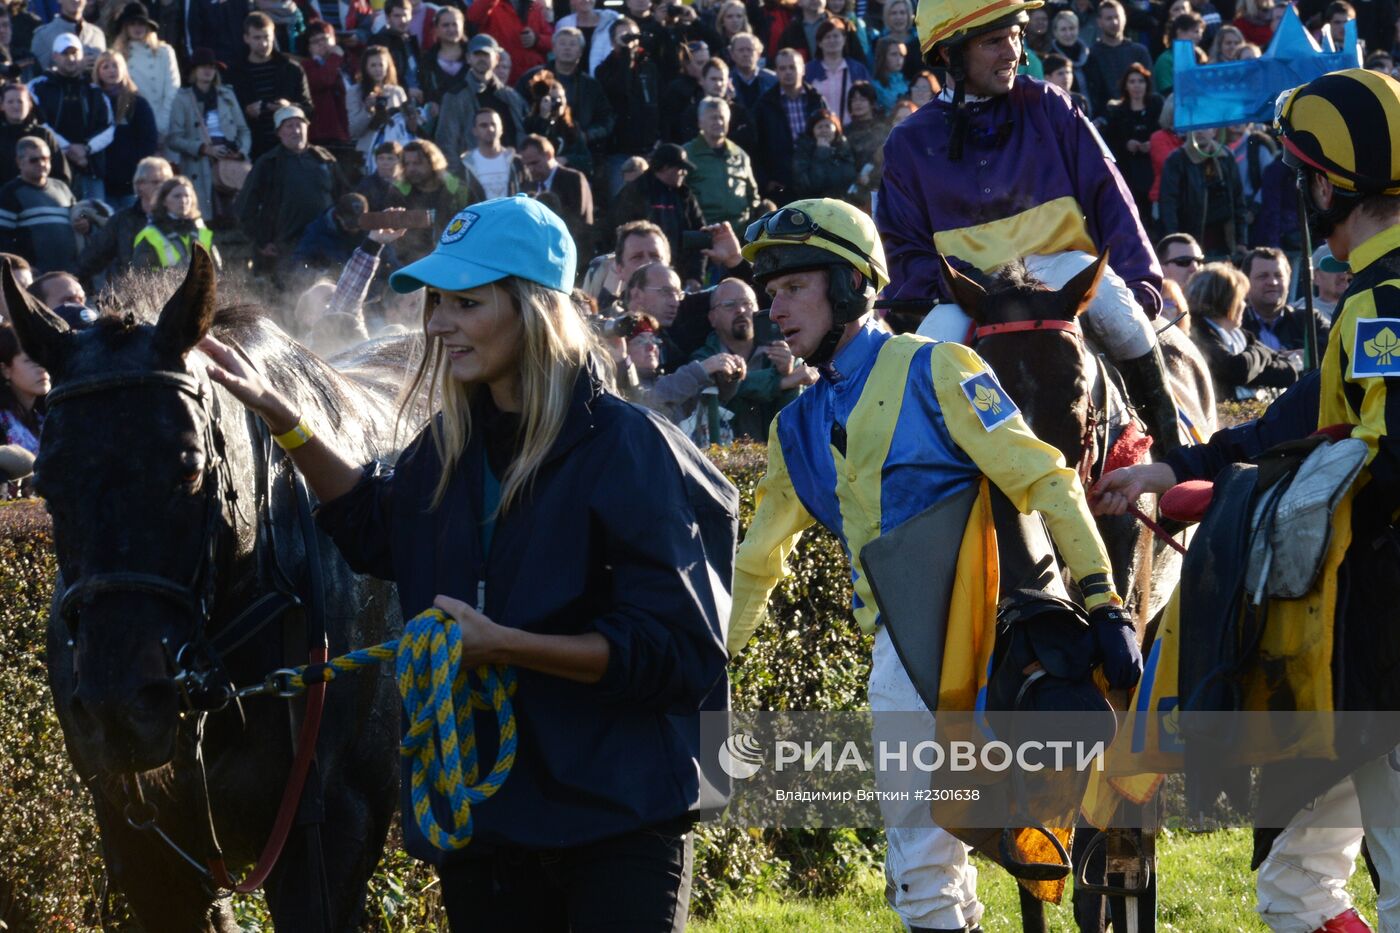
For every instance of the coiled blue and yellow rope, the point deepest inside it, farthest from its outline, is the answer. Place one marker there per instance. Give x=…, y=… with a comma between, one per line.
x=439, y=697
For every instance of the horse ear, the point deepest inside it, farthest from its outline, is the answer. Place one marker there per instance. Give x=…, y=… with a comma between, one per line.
x=1079, y=291
x=189, y=313
x=43, y=334
x=967, y=293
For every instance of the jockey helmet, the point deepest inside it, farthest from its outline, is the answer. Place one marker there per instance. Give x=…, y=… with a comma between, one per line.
x=1345, y=125
x=953, y=22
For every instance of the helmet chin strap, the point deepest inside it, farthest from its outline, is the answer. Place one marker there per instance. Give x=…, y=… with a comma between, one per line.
x=822, y=355
x=1322, y=222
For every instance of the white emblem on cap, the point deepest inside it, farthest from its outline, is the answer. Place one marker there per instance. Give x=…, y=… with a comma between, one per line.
x=458, y=227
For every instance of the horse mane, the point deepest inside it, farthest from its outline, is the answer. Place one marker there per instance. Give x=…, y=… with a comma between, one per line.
x=1012, y=276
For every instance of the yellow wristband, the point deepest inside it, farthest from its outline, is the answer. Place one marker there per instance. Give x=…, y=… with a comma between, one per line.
x=295, y=437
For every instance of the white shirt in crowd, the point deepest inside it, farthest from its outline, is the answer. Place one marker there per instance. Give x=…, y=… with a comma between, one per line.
x=492, y=172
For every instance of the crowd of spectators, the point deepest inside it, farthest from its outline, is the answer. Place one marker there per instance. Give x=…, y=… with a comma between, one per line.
x=271, y=131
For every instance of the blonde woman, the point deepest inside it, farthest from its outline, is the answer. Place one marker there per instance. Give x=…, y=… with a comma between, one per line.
x=150, y=61
x=136, y=135
x=569, y=535
x=206, y=124
x=731, y=19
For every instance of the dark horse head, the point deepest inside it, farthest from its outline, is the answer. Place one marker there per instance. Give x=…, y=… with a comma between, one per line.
x=133, y=470
x=1022, y=334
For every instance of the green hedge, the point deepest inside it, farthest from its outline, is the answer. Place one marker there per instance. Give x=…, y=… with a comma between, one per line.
x=51, y=876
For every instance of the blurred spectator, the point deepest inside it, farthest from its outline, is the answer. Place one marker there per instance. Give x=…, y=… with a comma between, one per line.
x=866, y=134
x=678, y=102
x=1037, y=36
x=889, y=81
x=1130, y=121
x=656, y=39
x=1248, y=52
x=521, y=26
x=783, y=115
x=1335, y=19
x=490, y=165
x=633, y=169
x=1201, y=195
x=662, y=196
x=428, y=185
x=1268, y=315
x=1382, y=61
x=1065, y=30
x=1180, y=256
x=731, y=20
x=150, y=62
x=924, y=88
x=107, y=250
x=68, y=22
x=22, y=25
x=1110, y=56
x=722, y=177
x=1255, y=21
x=1240, y=365
x=206, y=124
x=1176, y=312
x=455, y=133
x=588, y=107
x=78, y=113
x=398, y=38
x=543, y=173
x=265, y=80
x=856, y=28
x=326, y=77
x=288, y=188
x=502, y=69
x=1059, y=71
x=34, y=212
x=378, y=186
x=1227, y=45
x=1161, y=144
x=135, y=135
x=218, y=25
x=833, y=73
x=58, y=289
x=1277, y=222
x=174, y=229
x=1188, y=27
x=1331, y=279
x=378, y=107
x=595, y=26
x=288, y=23
x=18, y=119
x=801, y=31
x=23, y=385
x=445, y=65
x=1254, y=151
x=771, y=377
x=822, y=164
x=743, y=131
x=330, y=239
x=551, y=116
x=630, y=79
x=899, y=27
x=638, y=242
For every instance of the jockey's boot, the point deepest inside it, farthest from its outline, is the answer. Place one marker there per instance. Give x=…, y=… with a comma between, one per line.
x=1348, y=922
x=1146, y=378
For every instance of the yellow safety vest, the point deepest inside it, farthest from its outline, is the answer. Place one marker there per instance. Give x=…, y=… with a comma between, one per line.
x=168, y=252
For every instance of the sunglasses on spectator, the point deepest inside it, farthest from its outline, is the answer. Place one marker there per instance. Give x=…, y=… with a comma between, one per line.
x=1186, y=261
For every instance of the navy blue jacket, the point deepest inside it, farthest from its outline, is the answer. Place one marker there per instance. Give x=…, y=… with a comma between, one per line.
x=1291, y=416
x=630, y=532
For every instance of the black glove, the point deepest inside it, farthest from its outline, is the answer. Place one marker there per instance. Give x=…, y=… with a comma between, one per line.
x=1117, y=646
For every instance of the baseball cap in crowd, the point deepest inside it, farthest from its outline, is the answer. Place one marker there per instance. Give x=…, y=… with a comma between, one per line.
x=491, y=241
x=65, y=41
x=483, y=43
x=289, y=112
x=1323, y=260
x=669, y=155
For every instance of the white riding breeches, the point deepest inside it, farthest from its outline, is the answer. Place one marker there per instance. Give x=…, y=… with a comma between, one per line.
x=929, y=880
x=1302, y=884
x=1113, y=319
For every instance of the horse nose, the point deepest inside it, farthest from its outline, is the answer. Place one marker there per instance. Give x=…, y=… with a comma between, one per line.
x=134, y=728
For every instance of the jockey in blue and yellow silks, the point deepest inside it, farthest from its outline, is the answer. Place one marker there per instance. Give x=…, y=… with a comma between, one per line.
x=895, y=425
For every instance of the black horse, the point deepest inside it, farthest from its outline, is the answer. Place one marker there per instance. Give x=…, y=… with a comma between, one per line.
x=188, y=566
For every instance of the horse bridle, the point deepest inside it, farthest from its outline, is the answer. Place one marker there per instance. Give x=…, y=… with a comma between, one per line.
x=195, y=596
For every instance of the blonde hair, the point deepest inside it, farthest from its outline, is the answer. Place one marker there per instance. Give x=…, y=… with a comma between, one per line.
x=126, y=99
x=1218, y=290
x=556, y=346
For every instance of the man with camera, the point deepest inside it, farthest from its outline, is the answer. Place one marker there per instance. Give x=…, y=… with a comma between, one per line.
x=630, y=79
x=593, y=113
x=662, y=197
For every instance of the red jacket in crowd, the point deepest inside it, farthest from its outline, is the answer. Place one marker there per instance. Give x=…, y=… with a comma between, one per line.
x=498, y=19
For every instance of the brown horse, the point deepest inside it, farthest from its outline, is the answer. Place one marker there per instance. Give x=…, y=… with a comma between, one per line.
x=1072, y=399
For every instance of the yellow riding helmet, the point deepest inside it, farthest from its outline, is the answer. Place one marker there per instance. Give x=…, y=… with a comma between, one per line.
x=948, y=22
x=823, y=224
x=1345, y=125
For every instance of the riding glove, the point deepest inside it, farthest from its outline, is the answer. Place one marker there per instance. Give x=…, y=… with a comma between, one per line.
x=1116, y=640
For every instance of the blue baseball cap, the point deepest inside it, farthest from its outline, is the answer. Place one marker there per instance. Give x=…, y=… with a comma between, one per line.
x=491, y=241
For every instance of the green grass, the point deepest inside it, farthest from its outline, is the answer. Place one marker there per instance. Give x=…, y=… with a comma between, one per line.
x=1206, y=887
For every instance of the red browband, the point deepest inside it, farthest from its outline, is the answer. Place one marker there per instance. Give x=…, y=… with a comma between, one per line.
x=1016, y=326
